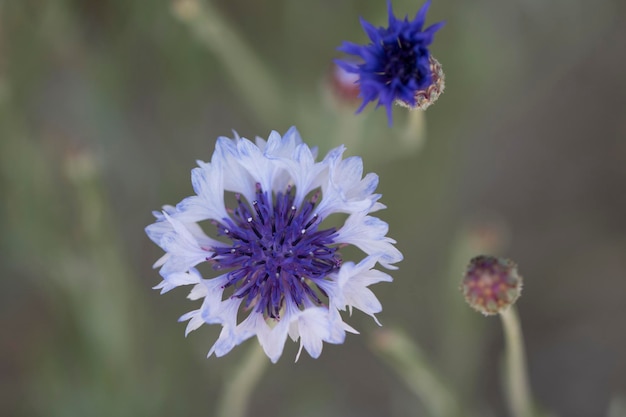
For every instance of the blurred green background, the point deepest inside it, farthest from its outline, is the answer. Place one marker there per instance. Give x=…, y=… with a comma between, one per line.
x=106, y=105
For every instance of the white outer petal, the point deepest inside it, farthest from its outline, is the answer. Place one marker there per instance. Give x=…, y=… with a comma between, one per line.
x=177, y=279
x=236, y=178
x=163, y=226
x=278, y=146
x=368, y=234
x=231, y=334
x=208, y=203
x=155, y=231
x=183, y=248
x=272, y=340
x=352, y=283
x=256, y=164
x=306, y=173
x=344, y=191
x=315, y=325
x=214, y=309
x=195, y=321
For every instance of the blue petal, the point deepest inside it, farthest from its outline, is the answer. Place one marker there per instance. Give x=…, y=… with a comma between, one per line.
x=348, y=66
x=392, y=18
x=351, y=48
x=420, y=17
x=371, y=31
x=434, y=27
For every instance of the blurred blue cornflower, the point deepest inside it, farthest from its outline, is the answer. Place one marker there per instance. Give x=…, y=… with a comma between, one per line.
x=276, y=263
x=396, y=65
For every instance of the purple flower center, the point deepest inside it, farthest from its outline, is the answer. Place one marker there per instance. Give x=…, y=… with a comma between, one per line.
x=405, y=61
x=277, y=253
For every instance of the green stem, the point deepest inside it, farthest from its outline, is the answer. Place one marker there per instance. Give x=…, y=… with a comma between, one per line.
x=518, y=390
x=408, y=361
x=414, y=134
x=457, y=327
x=238, y=390
x=252, y=78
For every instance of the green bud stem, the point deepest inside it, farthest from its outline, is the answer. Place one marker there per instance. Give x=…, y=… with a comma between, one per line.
x=411, y=365
x=518, y=390
x=251, y=77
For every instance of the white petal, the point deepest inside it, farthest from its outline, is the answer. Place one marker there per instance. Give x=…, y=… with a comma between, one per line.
x=261, y=143
x=197, y=292
x=231, y=335
x=155, y=231
x=368, y=234
x=362, y=272
x=195, y=321
x=274, y=145
x=313, y=330
x=184, y=249
x=272, y=340
x=177, y=279
x=214, y=309
x=227, y=340
x=352, y=283
x=161, y=261
x=236, y=178
x=307, y=175
x=284, y=146
x=344, y=191
x=208, y=184
x=256, y=164
x=316, y=325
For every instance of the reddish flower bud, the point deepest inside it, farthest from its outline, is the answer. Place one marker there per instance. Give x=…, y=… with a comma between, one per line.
x=491, y=284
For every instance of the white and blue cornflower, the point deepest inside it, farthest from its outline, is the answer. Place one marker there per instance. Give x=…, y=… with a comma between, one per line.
x=396, y=66
x=275, y=256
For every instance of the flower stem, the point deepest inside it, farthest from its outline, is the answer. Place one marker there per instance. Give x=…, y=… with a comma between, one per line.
x=253, y=79
x=408, y=361
x=518, y=390
x=238, y=390
x=457, y=328
x=414, y=134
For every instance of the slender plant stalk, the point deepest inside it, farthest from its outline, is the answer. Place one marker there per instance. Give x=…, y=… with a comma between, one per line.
x=458, y=328
x=617, y=407
x=254, y=81
x=407, y=360
x=238, y=390
x=518, y=390
x=414, y=135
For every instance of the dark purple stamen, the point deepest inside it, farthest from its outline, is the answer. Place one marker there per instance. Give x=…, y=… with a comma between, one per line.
x=277, y=254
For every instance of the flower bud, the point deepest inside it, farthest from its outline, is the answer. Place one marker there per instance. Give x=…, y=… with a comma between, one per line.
x=424, y=98
x=343, y=85
x=491, y=284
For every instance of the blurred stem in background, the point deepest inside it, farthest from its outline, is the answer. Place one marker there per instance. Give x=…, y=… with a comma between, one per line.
x=256, y=84
x=363, y=139
x=617, y=407
x=403, y=356
x=516, y=383
x=64, y=238
x=459, y=327
x=237, y=392
x=414, y=134
x=108, y=281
